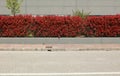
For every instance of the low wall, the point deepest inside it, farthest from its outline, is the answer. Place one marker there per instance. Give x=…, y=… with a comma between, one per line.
x=101, y=40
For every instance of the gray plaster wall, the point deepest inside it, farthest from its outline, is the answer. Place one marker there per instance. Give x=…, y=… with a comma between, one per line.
x=65, y=7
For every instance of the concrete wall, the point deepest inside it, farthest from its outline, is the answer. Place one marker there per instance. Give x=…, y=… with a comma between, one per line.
x=65, y=7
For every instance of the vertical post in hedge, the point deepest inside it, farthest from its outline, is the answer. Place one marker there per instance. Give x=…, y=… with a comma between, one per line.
x=14, y=6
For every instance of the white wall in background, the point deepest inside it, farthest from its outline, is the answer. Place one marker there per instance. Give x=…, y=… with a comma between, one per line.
x=65, y=7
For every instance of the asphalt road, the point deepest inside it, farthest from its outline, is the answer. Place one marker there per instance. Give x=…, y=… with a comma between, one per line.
x=60, y=63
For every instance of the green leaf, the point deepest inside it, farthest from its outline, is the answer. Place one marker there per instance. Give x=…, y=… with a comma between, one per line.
x=14, y=6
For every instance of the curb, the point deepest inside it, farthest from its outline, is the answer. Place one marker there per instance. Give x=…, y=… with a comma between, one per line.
x=59, y=47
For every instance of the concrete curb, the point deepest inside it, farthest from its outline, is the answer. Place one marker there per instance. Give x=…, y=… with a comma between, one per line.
x=59, y=47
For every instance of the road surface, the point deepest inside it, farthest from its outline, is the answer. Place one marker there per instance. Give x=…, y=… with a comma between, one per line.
x=60, y=63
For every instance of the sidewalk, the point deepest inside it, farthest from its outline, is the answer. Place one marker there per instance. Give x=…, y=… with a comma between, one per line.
x=58, y=47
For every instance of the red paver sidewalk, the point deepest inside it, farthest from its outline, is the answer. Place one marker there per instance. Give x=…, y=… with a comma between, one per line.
x=68, y=47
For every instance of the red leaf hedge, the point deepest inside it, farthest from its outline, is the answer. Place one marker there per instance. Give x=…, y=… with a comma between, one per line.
x=17, y=26
x=102, y=26
x=59, y=26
